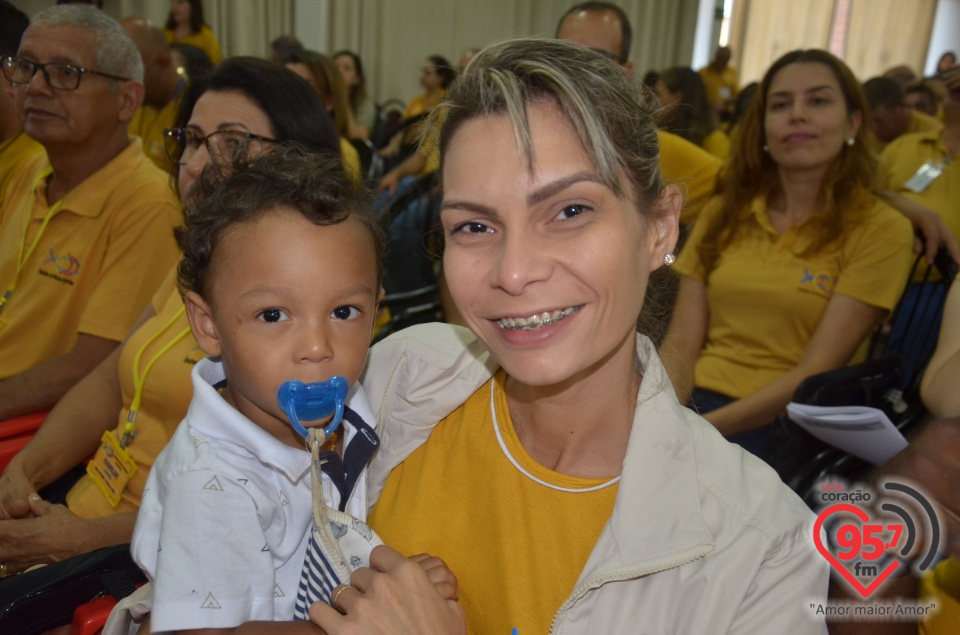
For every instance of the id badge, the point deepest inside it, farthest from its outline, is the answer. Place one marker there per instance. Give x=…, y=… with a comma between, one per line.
x=111, y=468
x=926, y=175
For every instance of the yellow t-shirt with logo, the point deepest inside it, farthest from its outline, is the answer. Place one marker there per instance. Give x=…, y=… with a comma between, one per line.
x=95, y=267
x=766, y=298
x=692, y=168
x=516, y=546
x=167, y=391
x=13, y=153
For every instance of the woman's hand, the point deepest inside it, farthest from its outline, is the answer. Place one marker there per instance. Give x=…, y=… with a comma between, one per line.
x=394, y=596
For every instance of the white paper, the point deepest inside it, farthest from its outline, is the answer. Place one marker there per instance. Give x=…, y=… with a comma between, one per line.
x=863, y=432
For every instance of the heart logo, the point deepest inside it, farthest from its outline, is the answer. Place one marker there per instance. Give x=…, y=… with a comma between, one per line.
x=836, y=564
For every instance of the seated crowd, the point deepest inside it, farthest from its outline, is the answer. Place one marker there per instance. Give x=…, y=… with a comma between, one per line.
x=183, y=232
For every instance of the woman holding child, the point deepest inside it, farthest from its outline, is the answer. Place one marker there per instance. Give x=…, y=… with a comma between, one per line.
x=543, y=454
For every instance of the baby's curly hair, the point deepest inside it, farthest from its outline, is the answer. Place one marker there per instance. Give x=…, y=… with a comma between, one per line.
x=242, y=191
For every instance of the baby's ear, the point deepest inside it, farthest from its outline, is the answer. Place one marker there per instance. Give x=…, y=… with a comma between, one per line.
x=202, y=324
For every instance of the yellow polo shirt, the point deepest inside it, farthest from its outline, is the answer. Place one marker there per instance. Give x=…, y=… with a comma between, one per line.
x=167, y=391
x=517, y=554
x=13, y=153
x=100, y=259
x=148, y=123
x=766, y=298
x=203, y=39
x=721, y=87
x=904, y=156
x=692, y=168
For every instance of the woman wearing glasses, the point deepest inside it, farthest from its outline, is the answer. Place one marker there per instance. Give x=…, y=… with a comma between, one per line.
x=137, y=396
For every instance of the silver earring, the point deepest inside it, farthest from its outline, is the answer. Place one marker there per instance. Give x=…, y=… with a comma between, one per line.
x=669, y=259
x=851, y=141
x=766, y=148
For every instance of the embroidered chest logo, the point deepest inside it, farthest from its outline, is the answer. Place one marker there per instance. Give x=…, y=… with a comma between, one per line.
x=821, y=284
x=65, y=266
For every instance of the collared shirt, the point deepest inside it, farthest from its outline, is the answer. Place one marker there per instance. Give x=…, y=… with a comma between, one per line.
x=100, y=259
x=766, y=296
x=904, y=156
x=222, y=531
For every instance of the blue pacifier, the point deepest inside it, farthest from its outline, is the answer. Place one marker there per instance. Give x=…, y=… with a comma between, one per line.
x=311, y=402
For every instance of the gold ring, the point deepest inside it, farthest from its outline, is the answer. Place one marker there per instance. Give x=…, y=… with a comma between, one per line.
x=333, y=600
x=3, y=570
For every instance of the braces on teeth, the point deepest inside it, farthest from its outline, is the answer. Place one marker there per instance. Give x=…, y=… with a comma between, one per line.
x=535, y=321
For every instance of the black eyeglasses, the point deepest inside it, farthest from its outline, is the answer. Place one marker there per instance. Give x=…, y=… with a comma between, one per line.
x=58, y=75
x=222, y=145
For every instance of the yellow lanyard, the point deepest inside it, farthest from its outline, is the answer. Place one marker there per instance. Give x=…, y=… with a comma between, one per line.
x=140, y=378
x=21, y=257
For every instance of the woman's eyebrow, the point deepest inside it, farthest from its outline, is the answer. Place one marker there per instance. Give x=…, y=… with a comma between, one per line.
x=555, y=187
x=466, y=206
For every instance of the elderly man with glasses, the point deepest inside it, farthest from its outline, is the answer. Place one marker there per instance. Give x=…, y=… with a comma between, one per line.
x=86, y=228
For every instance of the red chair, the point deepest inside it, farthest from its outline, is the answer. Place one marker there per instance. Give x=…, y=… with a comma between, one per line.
x=90, y=618
x=15, y=433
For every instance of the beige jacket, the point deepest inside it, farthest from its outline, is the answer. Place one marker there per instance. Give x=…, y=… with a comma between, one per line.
x=704, y=538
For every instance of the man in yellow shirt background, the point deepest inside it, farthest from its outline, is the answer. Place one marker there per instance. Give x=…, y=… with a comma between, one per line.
x=890, y=115
x=15, y=145
x=85, y=230
x=721, y=81
x=163, y=87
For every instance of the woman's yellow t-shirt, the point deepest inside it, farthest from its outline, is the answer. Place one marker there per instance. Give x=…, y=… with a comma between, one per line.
x=166, y=397
x=516, y=546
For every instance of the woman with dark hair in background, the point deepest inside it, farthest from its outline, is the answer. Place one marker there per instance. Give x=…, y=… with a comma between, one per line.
x=361, y=105
x=795, y=262
x=186, y=24
x=140, y=393
x=687, y=111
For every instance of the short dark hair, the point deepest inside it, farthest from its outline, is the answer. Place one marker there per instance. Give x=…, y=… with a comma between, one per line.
x=196, y=62
x=96, y=3
x=924, y=89
x=288, y=176
x=13, y=22
x=293, y=107
x=197, y=21
x=286, y=46
x=444, y=69
x=883, y=91
x=626, y=31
